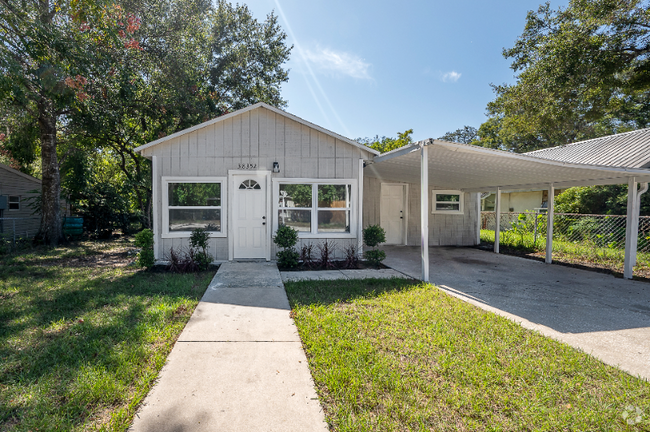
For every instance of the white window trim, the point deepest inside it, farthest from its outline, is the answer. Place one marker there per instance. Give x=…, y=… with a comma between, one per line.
x=314, y=228
x=165, y=205
x=461, y=207
x=9, y=203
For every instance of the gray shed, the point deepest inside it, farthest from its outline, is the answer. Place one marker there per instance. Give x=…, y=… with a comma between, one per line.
x=15, y=214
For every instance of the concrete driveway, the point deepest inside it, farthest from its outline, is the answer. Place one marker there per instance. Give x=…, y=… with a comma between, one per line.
x=605, y=316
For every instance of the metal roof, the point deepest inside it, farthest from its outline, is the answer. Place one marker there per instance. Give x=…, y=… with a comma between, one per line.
x=478, y=169
x=250, y=108
x=630, y=149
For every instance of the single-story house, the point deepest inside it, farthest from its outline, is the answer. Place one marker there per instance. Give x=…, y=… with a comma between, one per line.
x=243, y=174
x=16, y=188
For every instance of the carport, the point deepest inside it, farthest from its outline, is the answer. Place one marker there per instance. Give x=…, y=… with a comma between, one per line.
x=470, y=168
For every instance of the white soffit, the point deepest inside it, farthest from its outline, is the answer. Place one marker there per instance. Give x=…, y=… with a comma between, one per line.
x=477, y=169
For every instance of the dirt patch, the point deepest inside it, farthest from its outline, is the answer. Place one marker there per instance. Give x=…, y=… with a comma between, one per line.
x=337, y=265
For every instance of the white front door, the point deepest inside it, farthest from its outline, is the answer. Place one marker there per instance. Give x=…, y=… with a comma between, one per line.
x=392, y=213
x=250, y=221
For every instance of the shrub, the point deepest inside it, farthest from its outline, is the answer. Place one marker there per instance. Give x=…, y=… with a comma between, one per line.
x=286, y=238
x=306, y=255
x=144, y=240
x=373, y=236
x=199, y=245
x=375, y=256
x=288, y=258
x=182, y=262
x=326, y=251
x=351, y=257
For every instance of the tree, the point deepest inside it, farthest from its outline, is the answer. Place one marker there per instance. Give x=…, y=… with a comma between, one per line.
x=609, y=199
x=582, y=72
x=386, y=144
x=464, y=135
x=48, y=53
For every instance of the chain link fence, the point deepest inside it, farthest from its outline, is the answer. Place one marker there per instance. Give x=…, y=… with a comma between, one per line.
x=16, y=231
x=600, y=230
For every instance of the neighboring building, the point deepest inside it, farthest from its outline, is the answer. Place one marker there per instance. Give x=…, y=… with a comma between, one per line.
x=16, y=188
x=628, y=149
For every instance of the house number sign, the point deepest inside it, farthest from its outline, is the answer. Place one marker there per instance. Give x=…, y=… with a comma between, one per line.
x=247, y=166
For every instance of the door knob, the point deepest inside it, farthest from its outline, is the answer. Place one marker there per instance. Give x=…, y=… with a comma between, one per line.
x=263, y=217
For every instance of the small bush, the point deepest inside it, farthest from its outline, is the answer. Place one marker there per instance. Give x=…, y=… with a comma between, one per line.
x=375, y=257
x=286, y=237
x=199, y=245
x=306, y=255
x=326, y=251
x=182, y=262
x=144, y=240
x=374, y=235
x=351, y=257
x=288, y=258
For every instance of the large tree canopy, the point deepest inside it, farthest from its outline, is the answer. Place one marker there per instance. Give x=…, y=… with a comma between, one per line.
x=582, y=72
x=102, y=77
x=386, y=144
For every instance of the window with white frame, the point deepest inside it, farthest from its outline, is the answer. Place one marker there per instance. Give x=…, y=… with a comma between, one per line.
x=14, y=203
x=316, y=208
x=447, y=201
x=190, y=204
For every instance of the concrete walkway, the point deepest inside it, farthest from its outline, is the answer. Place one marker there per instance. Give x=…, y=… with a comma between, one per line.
x=602, y=315
x=238, y=365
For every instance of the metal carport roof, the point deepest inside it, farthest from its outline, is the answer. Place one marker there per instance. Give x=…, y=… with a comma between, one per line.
x=476, y=169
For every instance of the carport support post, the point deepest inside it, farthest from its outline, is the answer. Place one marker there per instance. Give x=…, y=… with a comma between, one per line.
x=424, y=211
x=497, y=219
x=632, y=225
x=549, y=224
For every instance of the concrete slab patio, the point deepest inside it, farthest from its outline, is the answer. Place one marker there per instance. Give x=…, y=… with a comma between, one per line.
x=605, y=316
x=238, y=365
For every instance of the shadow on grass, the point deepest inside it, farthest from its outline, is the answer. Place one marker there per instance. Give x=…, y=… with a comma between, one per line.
x=305, y=293
x=76, y=339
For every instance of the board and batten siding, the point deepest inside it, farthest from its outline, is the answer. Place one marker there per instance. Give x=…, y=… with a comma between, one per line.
x=444, y=230
x=261, y=137
x=15, y=183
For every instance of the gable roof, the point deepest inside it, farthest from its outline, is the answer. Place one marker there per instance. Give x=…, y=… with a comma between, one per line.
x=251, y=108
x=629, y=149
x=20, y=174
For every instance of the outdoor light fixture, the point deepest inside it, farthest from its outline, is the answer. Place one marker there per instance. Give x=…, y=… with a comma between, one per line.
x=276, y=167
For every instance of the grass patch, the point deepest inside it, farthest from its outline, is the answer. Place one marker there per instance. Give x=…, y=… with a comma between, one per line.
x=83, y=336
x=396, y=355
x=584, y=253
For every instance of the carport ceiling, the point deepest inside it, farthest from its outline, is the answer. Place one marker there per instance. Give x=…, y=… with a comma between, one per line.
x=477, y=169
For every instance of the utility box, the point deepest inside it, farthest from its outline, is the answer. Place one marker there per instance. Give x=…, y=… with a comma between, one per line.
x=3, y=202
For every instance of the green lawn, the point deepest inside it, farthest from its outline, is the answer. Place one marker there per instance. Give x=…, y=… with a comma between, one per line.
x=82, y=336
x=396, y=355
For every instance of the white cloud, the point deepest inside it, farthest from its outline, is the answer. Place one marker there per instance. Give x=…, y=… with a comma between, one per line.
x=452, y=76
x=338, y=62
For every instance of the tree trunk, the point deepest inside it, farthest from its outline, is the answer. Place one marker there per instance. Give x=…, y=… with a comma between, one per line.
x=51, y=231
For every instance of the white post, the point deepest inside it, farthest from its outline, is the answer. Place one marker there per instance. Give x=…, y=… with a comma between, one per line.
x=479, y=217
x=424, y=211
x=360, y=210
x=632, y=226
x=549, y=224
x=497, y=217
x=154, y=207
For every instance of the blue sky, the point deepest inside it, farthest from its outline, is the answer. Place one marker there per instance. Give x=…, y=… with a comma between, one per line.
x=365, y=68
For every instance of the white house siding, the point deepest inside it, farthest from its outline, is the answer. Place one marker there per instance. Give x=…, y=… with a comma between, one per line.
x=444, y=230
x=15, y=183
x=259, y=136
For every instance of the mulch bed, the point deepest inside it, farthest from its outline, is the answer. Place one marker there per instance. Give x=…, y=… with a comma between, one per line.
x=336, y=265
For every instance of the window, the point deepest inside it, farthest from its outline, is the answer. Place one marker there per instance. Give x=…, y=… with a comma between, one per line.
x=447, y=201
x=191, y=204
x=319, y=209
x=14, y=203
